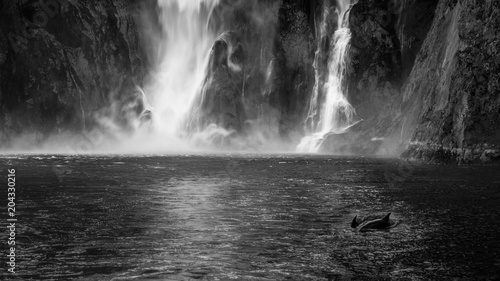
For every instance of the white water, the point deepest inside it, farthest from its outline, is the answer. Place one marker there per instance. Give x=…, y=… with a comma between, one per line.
x=182, y=53
x=336, y=115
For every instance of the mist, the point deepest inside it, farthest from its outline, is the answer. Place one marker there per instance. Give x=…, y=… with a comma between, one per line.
x=220, y=76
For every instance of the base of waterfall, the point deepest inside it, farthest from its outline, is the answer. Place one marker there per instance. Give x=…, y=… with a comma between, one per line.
x=314, y=142
x=311, y=143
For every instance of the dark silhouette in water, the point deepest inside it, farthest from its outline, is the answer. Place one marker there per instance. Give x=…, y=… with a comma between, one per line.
x=371, y=223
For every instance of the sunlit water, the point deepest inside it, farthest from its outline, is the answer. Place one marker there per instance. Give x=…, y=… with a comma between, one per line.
x=250, y=218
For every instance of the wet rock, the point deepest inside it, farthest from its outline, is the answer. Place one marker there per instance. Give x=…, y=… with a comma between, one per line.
x=375, y=73
x=441, y=106
x=296, y=35
x=61, y=60
x=276, y=75
x=375, y=57
x=413, y=21
x=454, y=86
x=220, y=102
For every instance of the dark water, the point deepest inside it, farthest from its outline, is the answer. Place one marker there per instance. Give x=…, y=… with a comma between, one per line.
x=250, y=218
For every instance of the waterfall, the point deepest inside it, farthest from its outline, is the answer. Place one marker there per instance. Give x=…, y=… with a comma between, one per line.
x=329, y=111
x=181, y=52
x=182, y=81
x=208, y=53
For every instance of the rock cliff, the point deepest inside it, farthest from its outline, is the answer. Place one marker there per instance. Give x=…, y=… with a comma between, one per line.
x=267, y=73
x=61, y=62
x=453, y=88
x=447, y=109
x=221, y=98
x=424, y=78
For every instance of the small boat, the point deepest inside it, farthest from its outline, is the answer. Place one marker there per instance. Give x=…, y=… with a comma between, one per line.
x=372, y=223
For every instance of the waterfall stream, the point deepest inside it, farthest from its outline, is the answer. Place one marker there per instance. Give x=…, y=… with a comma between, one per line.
x=206, y=54
x=182, y=51
x=182, y=54
x=329, y=111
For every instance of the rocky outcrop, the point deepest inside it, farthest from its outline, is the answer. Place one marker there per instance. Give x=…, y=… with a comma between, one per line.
x=220, y=101
x=413, y=20
x=385, y=37
x=375, y=57
x=447, y=108
x=424, y=78
x=454, y=89
x=63, y=61
x=296, y=37
x=383, y=43
x=274, y=79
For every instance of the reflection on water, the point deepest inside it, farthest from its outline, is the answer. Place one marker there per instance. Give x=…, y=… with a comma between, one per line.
x=250, y=218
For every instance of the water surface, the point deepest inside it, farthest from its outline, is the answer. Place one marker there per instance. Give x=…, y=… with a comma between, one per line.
x=251, y=218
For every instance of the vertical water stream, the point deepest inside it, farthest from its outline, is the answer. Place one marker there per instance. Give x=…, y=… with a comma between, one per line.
x=330, y=111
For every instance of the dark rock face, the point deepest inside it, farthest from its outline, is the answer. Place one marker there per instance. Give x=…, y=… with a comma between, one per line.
x=60, y=62
x=413, y=20
x=262, y=76
x=447, y=109
x=294, y=64
x=277, y=42
x=384, y=41
x=454, y=86
x=428, y=73
x=375, y=57
x=386, y=36
x=221, y=94
x=297, y=40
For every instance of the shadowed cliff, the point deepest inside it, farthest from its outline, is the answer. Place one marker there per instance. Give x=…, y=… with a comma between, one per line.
x=60, y=63
x=424, y=78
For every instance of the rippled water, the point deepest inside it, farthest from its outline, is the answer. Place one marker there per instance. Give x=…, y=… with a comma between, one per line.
x=250, y=218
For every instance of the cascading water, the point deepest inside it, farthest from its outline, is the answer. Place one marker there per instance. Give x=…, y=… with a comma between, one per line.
x=329, y=111
x=182, y=52
x=182, y=79
x=206, y=57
